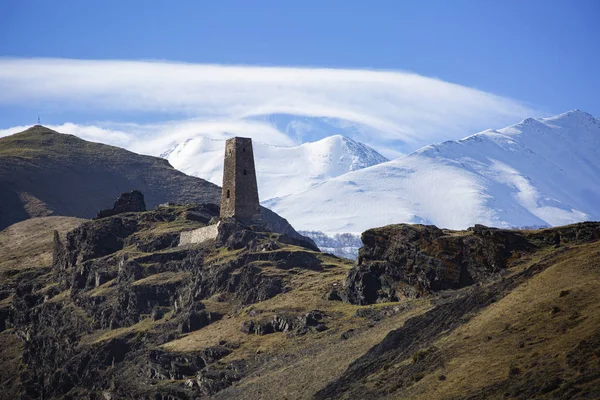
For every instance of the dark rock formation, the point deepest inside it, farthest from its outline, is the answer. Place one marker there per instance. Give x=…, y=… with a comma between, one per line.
x=235, y=234
x=292, y=324
x=127, y=202
x=157, y=242
x=195, y=320
x=568, y=234
x=162, y=365
x=89, y=241
x=400, y=261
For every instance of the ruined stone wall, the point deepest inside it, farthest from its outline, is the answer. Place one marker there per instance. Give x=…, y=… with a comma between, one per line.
x=240, y=192
x=199, y=235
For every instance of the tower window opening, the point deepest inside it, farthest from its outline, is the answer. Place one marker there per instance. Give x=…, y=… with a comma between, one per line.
x=228, y=193
x=244, y=172
x=244, y=150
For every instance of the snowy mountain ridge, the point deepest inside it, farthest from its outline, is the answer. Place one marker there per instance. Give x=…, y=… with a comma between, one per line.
x=280, y=170
x=537, y=172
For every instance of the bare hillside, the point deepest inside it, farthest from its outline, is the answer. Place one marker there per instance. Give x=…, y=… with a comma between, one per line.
x=43, y=172
x=125, y=312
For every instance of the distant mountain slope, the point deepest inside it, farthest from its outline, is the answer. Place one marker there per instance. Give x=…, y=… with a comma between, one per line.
x=28, y=244
x=280, y=170
x=43, y=173
x=538, y=172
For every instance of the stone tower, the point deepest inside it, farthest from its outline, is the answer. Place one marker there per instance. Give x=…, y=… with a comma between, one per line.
x=240, y=192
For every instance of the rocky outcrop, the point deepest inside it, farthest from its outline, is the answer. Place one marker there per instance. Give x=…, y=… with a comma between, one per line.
x=72, y=261
x=235, y=235
x=400, y=261
x=564, y=235
x=118, y=272
x=408, y=261
x=291, y=324
x=127, y=202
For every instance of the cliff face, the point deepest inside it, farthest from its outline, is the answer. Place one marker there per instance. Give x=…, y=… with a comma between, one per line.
x=408, y=261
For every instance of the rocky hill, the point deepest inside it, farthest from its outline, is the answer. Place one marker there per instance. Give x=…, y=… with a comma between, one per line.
x=43, y=173
x=122, y=311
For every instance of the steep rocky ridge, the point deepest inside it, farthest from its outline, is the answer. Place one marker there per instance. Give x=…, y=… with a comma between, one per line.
x=26, y=254
x=404, y=261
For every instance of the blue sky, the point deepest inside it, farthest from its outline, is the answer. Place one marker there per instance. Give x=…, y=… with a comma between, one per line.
x=543, y=55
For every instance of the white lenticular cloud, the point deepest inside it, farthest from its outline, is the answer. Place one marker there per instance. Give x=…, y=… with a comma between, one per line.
x=399, y=106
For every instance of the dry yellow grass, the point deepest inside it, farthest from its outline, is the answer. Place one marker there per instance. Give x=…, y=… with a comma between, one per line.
x=302, y=364
x=28, y=244
x=105, y=289
x=315, y=359
x=108, y=334
x=163, y=278
x=524, y=329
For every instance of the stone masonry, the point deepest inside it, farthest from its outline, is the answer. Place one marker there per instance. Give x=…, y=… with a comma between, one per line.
x=240, y=192
x=199, y=235
x=239, y=199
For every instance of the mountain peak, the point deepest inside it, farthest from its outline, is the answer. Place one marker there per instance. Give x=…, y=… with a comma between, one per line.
x=572, y=115
x=280, y=170
x=37, y=129
x=576, y=111
x=337, y=138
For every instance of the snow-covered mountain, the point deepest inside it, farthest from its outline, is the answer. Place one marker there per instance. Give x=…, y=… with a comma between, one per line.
x=280, y=170
x=538, y=172
x=340, y=244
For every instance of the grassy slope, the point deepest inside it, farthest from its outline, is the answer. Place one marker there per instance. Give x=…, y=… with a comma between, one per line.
x=43, y=172
x=517, y=347
x=26, y=251
x=530, y=331
x=523, y=332
x=28, y=244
